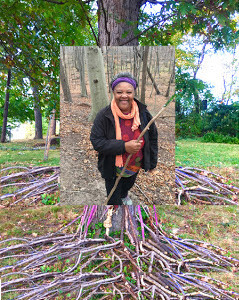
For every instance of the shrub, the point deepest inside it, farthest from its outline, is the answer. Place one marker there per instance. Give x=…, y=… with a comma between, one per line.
x=213, y=137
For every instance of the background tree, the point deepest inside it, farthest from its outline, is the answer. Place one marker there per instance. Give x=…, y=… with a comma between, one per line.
x=230, y=77
x=6, y=104
x=195, y=103
x=31, y=38
x=37, y=113
x=97, y=81
x=64, y=80
x=144, y=73
x=30, y=41
x=79, y=59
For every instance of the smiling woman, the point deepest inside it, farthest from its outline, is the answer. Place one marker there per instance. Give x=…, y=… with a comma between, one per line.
x=114, y=135
x=124, y=96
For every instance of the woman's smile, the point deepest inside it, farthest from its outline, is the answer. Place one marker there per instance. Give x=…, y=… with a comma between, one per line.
x=124, y=95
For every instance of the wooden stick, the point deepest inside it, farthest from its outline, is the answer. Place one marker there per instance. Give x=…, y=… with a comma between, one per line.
x=141, y=134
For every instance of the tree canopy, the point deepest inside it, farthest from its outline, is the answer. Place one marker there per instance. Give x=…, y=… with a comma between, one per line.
x=31, y=33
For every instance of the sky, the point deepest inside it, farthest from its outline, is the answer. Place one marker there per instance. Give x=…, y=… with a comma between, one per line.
x=215, y=66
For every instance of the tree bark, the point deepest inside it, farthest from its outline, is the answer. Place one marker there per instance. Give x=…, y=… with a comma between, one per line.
x=49, y=134
x=64, y=78
x=118, y=22
x=37, y=114
x=6, y=104
x=197, y=101
x=150, y=75
x=144, y=73
x=80, y=66
x=53, y=132
x=97, y=81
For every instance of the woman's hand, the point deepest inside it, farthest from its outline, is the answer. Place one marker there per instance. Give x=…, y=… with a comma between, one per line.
x=133, y=146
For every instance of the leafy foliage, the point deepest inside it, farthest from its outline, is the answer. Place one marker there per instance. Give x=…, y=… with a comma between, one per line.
x=224, y=119
x=29, y=45
x=214, y=137
x=213, y=20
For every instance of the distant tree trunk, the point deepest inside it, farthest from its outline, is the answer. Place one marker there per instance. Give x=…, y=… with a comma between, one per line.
x=63, y=77
x=112, y=30
x=53, y=132
x=37, y=113
x=172, y=79
x=96, y=74
x=106, y=49
x=150, y=75
x=197, y=102
x=144, y=73
x=80, y=66
x=6, y=104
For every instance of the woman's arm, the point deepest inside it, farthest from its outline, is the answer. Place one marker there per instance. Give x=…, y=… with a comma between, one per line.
x=101, y=142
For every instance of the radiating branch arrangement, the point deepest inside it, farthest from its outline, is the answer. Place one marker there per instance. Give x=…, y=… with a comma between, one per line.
x=203, y=187
x=196, y=186
x=141, y=261
x=28, y=183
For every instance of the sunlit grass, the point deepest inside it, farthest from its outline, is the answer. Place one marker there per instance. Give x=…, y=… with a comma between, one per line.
x=27, y=153
x=220, y=158
x=195, y=153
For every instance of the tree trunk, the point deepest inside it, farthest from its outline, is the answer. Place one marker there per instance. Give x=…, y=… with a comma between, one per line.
x=53, y=132
x=80, y=66
x=114, y=32
x=97, y=81
x=150, y=75
x=144, y=73
x=197, y=102
x=64, y=78
x=6, y=104
x=113, y=28
x=37, y=114
x=49, y=134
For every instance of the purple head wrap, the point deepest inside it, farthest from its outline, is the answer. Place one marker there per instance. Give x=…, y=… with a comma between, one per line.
x=123, y=79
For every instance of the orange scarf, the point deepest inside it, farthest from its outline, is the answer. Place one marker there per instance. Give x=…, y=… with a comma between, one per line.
x=117, y=113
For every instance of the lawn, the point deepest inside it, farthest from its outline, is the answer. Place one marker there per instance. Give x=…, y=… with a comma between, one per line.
x=218, y=158
x=28, y=153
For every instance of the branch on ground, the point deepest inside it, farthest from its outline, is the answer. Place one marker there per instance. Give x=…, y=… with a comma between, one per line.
x=143, y=261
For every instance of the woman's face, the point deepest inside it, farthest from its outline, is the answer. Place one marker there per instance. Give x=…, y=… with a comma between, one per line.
x=124, y=95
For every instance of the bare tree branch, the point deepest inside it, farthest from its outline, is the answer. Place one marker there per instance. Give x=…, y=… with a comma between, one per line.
x=147, y=29
x=89, y=22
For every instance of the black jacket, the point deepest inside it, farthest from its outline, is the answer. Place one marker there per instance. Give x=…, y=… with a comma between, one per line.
x=103, y=138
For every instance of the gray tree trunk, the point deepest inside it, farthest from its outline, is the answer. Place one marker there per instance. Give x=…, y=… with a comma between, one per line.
x=6, y=104
x=144, y=73
x=79, y=53
x=63, y=77
x=113, y=28
x=97, y=81
x=37, y=113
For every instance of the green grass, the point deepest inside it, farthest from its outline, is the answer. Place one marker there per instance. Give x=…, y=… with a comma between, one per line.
x=190, y=152
x=220, y=158
x=24, y=153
